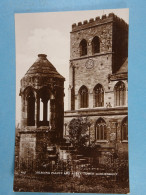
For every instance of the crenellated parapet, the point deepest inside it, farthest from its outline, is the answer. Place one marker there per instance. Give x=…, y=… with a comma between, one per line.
x=99, y=21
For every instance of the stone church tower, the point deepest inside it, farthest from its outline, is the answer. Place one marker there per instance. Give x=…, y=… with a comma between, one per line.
x=98, y=79
x=42, y=96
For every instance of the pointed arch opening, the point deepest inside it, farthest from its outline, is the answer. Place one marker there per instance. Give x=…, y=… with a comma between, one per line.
x=95, y=45
x=98, y=94
x=100, y=129
x=120, y=93
x=83, y=93
x=30, y=109
x=83, y=47
x=44, y=104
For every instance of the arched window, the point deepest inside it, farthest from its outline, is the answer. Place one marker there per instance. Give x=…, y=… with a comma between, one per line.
x=98, y=96
x=100, y=129
x=83, y=47
x=44, y=104
x=83, y=97
x=30, y=109
x=119, y=94
x=95, y=45
x=125, y=129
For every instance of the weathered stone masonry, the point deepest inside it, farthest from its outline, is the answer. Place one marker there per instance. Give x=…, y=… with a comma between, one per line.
x=107, y=67
x=41, y=84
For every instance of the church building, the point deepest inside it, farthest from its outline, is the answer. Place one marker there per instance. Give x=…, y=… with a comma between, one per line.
x=98, y=80
x=47, y=152
x=98, y=91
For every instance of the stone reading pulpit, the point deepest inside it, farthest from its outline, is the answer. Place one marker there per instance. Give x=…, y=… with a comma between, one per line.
x=42, y=112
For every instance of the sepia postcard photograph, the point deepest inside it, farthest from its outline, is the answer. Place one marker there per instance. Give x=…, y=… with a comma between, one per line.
x=72, y=102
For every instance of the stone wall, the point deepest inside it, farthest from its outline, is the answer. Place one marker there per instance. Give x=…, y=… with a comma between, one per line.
x=33, y=148
x=41, y=83
x=120, y=45
x=91, y=77
x=111, y=31
x=27, y=151
x=104, y=32
x=111, y=116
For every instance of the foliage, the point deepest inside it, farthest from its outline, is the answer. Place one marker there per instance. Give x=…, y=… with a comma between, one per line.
x=119, y=165
x=91, y=151
x=78, y=132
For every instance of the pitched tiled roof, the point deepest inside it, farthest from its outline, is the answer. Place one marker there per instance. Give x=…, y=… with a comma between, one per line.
x=124, y=67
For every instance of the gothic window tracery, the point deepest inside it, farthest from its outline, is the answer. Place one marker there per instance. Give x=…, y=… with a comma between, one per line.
x=83, y=97
x=100, y=129
x=99, y=96
x=120, y=94
x=83, y=47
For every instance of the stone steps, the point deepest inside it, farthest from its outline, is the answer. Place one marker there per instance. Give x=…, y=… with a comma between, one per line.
x=52, y=157
x=72, y=152
x=50, y=148
x=67, y=148
x=65, y=144
x=51, y=153
x=68, y=152
x=83, y=161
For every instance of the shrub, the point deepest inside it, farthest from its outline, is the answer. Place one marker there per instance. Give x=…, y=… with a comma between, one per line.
x=78, y=128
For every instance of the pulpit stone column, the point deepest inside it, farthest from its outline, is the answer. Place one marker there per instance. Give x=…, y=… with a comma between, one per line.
x=52, y=114
x=37, y=110
x=45, y=106
x=23, y=123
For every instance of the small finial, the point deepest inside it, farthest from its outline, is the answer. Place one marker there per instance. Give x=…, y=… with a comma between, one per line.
x=42, y=55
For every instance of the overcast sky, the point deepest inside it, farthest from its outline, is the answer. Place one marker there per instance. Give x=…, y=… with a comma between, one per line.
x=49, y=33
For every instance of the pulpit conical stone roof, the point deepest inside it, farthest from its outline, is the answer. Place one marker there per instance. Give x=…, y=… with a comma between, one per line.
x=43, y=67
x=41, y=73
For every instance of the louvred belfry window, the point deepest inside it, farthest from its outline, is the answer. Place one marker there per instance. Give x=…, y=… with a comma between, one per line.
x=95, y=45
x=83, y=47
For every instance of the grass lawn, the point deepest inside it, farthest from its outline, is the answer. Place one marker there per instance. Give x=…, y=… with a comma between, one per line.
x=66, y=183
